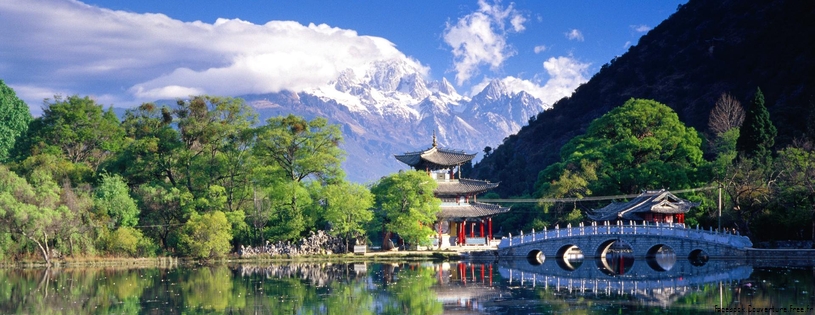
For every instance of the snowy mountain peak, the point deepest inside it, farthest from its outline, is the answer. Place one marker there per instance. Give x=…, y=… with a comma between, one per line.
x=413, y=85
x=493, y=91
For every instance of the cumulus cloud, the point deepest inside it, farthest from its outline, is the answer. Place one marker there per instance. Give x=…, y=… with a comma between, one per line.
x=67, y=45
x=479, y=38
x=642, y=28
x=540, y=49
x=574, y=34
x=565, y=74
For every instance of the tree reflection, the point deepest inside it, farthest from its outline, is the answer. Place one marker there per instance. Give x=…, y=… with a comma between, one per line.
x=412, y=292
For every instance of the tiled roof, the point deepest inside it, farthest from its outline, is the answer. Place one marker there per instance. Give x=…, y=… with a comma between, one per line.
x=463, y=186
x=649, y=202
x=435, y=158
x=470, y=210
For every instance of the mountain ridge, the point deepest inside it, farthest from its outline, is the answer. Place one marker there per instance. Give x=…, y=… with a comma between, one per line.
x=390, y=108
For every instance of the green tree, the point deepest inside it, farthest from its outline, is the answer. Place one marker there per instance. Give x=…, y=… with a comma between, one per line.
x=200, y=143
x=14, y=119
x=206, y=236
x=640, y=145
x=164, y=210
x=348, y=209
x=75, y=128
x=757, y=132
x=293, y=150
x=31, y=210
x=112, y=201
x=406, y=205
x=749, y=185
x=797, y=179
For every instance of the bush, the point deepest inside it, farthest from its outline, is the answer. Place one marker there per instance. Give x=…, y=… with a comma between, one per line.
x=131, y=242
x=206, y=236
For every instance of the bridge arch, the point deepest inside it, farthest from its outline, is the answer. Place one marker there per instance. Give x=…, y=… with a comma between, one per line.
x=614, y=256
x=660, y=257
x=698, y=257
x=536, y=257
x=569, y=257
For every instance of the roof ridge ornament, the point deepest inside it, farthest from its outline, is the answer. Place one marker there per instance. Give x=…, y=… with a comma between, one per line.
x=434, y=138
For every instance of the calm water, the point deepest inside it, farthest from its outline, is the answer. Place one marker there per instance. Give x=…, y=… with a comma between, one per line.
x=513, y=287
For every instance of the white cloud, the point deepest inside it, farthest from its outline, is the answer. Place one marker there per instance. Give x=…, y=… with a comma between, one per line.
x=479, y=38
x=627, y=44
x=574, y=34
x=540, y=49
x=72, y=45
x=565, y=75
x=642, y=28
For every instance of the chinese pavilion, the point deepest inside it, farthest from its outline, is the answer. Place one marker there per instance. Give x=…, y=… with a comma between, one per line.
x=461, y=220
x=650, y=206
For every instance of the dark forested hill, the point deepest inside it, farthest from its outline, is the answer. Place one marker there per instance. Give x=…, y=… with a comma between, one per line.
x=704, y=49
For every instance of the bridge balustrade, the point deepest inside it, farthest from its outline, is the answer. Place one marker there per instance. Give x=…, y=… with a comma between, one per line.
x=619, y=228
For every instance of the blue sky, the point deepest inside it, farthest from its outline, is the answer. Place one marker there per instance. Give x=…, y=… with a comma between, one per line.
x=126, y=52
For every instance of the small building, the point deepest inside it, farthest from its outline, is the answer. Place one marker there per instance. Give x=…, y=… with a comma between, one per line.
x=462, y=220
x=650, y=206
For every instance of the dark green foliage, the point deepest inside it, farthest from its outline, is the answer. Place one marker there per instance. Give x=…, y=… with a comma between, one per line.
x=14, y=119
x=758, y=132
x=641, y=145
x=76, y=129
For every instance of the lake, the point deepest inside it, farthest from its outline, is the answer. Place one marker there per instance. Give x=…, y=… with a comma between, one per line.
x=625, y=286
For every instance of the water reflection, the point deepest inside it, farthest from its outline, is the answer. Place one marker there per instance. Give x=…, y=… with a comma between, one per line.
x=661, y=282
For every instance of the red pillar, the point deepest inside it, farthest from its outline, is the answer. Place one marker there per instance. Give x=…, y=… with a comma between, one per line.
x=482, y=227
x=472, y=230
x=463, y=232
x=490, y=274
x=489, y=227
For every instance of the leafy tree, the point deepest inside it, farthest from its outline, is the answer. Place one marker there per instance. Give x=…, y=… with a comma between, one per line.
x=749, y=185
x=797, y=177
x=215, y=133
x=301, y=148
x=640, y=145
x=758, y=132
x=406, y=205
x=163, y=210
x=293, y=150
x=348, y=209
x=14, y=119
x=76, y=129
x=202, y=142
x=112, y=201
x=206, y=236
x=31, y=210
x=152, y=148
x=131, y=242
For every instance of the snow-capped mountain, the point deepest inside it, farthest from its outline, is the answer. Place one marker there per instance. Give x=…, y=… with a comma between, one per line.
x=390, y=108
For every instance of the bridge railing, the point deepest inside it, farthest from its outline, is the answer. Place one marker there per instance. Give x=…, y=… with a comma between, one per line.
x=620, y=228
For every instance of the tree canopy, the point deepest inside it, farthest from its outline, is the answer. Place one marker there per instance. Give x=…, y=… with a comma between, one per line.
x=14, y=119
x=406, y=204
x=758, y=133
x=640, y=145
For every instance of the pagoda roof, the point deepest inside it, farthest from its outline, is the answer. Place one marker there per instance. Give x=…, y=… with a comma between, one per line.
x=435, y=158
x=463, y=186
x=660, y=201
x=470, y=210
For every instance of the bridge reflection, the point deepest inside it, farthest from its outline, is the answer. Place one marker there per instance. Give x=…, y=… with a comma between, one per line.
x=653, y=280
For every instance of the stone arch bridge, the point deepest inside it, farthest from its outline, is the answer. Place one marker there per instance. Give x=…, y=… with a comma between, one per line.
x=644, y=241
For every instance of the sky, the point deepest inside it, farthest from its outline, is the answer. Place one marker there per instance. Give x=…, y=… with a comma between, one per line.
x=123, y=53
